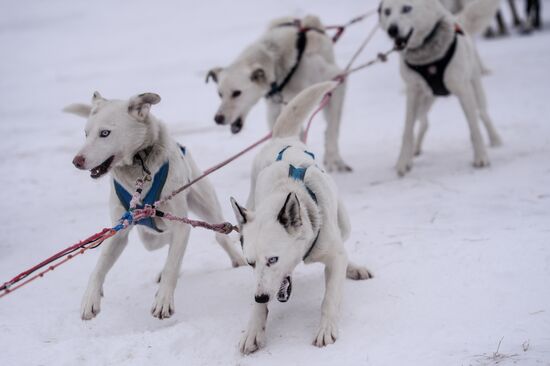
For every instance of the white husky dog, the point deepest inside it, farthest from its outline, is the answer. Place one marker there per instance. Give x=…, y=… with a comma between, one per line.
x=288, y=58
x=438, y=59
x=293, y=214
x=123, y=138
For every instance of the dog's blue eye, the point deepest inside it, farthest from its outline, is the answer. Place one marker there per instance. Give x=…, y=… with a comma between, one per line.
x=252, y=264
x=272, y=260
x=235, y=94
x=104, y=133
x=387, y=12
x=406, y=9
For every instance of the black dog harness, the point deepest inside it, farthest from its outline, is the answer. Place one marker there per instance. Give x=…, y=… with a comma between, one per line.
x=301, y=43
x=434, y=72
x=299, y=173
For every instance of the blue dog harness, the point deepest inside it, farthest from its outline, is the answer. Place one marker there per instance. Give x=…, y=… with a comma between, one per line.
x=299, y=173
x=151, y=197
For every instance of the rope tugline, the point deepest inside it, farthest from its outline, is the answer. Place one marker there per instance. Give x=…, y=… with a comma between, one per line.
x=134, y=214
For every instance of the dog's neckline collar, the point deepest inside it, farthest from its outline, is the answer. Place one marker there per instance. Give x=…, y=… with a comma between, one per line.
x=301, y=43
x=141, y=157
x=310, y=249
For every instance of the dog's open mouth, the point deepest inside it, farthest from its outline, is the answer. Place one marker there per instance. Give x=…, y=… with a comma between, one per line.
x=237, y=126
x=285, y=290
x=102, y=168
x=401, y=42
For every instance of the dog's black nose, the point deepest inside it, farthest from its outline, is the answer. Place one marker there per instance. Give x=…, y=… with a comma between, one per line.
x=393, y=31
x=261, y=299
x=219, y=118
x=79, y=161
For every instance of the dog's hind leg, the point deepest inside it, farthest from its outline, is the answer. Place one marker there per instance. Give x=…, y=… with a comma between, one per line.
x=481, y=99
x=110, y=252
x=335, y=274
x=254, y=337
x=469, y=105
x=163, y=306
x=204, y=202
x=423, y=111
x=333, y=115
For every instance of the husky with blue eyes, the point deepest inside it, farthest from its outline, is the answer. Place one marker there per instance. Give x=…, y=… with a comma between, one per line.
x=438, y=59
x=293, y=214
x=125, y=139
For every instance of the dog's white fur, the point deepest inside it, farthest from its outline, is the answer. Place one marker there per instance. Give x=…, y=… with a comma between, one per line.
x=269, y=60
x=462, y=76
x=133, y=128
x=282, y=220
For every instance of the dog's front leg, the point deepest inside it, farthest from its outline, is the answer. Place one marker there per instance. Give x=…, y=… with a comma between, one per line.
x=112, y=249
x=333, y=114
x=335, y=274
x=273, y=111
x=163, y=307
x=254, y=337
x=469, y=105
x=404, y=163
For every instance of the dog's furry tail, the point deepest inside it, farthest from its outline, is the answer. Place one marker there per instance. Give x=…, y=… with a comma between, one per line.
x=477, y=15
x=294, y=114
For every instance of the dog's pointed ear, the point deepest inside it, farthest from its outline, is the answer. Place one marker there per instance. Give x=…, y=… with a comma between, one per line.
x=241, y=213
x=214, y=74
x=140, y=105
x=290, y=216
x=80, y=109
x=96, y=97
x=258, y=75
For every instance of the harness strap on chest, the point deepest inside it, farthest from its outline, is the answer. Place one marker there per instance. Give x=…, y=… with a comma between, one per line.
x=152, y=196
x=301, y=43
x=298, y=173
x=434, y=72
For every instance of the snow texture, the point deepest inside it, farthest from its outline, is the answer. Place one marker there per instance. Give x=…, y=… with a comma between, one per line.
x=461, y=256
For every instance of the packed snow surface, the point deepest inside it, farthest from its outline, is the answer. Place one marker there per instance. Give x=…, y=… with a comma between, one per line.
x=461, y=256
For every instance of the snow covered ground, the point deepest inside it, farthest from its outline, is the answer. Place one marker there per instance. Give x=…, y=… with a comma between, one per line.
x=461, y=256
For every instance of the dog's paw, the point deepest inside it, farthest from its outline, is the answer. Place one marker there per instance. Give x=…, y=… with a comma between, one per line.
x=481, y=161
x=337, y=165
x=355, y=272
x=252, y=340
x=91, y=303
x=328, y=333
x=403, y=167
x=163, y=307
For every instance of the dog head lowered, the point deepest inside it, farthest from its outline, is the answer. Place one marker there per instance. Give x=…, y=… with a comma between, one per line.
x=276, y=236
x=410, y=22
x=240, y=87
x=275, y=244
x=115, y=131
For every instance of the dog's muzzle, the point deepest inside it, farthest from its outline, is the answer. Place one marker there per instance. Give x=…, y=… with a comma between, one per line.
x=285, y=290
x=401, y=42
